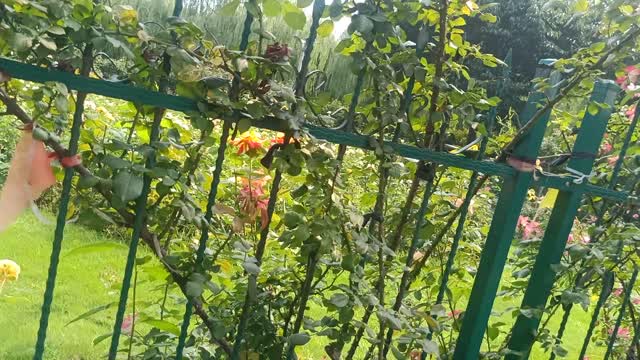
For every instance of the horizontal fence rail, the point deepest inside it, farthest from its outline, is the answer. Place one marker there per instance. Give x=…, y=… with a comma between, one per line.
x=131, y=93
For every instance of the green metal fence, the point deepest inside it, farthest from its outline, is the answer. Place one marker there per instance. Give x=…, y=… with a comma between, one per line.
x=512, y=195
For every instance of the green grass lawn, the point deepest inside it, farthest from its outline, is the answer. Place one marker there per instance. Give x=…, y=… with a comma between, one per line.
x=93, y=279
x=84, y=282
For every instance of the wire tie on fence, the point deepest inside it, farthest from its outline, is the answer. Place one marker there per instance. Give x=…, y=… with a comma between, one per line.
x=579, y=176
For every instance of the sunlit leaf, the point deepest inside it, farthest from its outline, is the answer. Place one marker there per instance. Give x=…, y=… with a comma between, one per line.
x=96, y=248
x=326, y=28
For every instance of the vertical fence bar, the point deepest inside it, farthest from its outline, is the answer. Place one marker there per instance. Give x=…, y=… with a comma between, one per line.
x=275, y=187
x=65, y=197
x=561, y=222
x=634, y=341
x=318, y=9
x=140, y=212
x=609, y=274
x=213, y=191
x=605, y=291
x=503, y=226
x=627, y=295
x=470, y=193
x=140, y=209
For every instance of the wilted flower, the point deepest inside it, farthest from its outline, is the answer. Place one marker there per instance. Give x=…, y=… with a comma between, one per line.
x=277, y=52
x=250, y=144
x=9, y=270
x=617, y=292
x=635, y=301
x=253, y=201
x=127, y=324
x=613, y=160
x=454, y=313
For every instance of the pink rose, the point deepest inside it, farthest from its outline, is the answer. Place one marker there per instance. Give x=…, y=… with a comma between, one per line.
x=529, y=227
x=623, y=332
x=127, y=324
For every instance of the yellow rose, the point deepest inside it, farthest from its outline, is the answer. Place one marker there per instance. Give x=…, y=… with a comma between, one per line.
x=9, y=270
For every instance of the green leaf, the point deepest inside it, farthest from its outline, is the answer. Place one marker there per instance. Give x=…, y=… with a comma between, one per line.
x=521, y=273
x=292, y=219
x=48, y=43
x=194, y=288
x=90, y=313
x=549, y=199
x=593, y=108
x=164, y=326
x=581, y=6
x=243, y=125
x=339, y=300
x=335, y=9
x=488, y=18
x=62, y=103
x=293, y=16
x=101, y=338
x=116, y=163
x=430, y=347
x=397, y=354
x=361, y=24
x=438, y=310
x=531, y=313
x=230, y=8
x=560, y=351
x=271, y=7
x=56, y=30
x=251, y=268
x=326, y=28
x=299, y=339
x=253, y=9
x=127, y=186
x=89, y=181
x=40, y=134
x=574, y=297
x=626, y=10
x=96, y=248
x=21, y=42
x=304, y=3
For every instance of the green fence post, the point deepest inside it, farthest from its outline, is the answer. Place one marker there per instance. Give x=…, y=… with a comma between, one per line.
x=616, y=327
x=561, y=222
x=503, y=226
x=605, y=291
